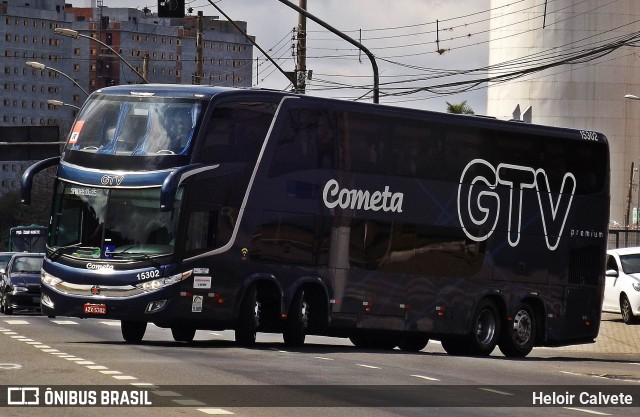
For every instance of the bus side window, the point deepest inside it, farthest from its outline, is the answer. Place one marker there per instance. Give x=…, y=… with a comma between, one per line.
x=236, y=131
x=307, y=141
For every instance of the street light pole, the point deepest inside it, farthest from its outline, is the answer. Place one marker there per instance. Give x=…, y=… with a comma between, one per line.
x=75, y=35
x=60, y=103
x=40, y=66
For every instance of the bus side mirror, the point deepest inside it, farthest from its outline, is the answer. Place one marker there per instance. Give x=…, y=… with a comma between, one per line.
x=611, y=273
x=26, y=182
x=175, y=178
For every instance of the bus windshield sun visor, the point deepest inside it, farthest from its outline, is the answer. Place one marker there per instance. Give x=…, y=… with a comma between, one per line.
x=26, y=181
x=173, y=181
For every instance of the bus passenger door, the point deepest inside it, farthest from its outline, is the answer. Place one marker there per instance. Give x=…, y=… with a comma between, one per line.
x=376, y=287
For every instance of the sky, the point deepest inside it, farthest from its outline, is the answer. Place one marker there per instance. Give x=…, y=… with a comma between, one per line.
x=417, y=44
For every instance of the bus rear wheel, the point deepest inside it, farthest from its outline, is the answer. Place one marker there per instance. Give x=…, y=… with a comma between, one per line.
x=295, y=329
x=455, y=345
x=519, y=335
x=486, y=329
x=183, y=334
x=248, y=318
x=412, y=342
x=133, y=331
x=369, y=341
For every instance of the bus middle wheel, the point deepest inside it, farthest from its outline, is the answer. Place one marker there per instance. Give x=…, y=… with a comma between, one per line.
x=248, y=318
x=295, y=329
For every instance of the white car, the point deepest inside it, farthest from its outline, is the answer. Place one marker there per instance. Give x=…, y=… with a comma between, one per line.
x=622, y=286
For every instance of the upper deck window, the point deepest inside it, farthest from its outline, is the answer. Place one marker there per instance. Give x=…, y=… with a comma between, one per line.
x=138, y=126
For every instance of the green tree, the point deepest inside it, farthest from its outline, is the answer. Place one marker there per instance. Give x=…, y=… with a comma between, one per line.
x=460, y=108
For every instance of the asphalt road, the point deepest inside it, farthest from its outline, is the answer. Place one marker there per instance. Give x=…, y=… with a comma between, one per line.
x=326, y=377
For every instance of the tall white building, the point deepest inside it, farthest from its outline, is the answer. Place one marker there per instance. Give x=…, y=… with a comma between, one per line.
x=587, y=96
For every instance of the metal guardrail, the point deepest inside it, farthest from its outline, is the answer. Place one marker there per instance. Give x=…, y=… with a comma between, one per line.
x=623, y=238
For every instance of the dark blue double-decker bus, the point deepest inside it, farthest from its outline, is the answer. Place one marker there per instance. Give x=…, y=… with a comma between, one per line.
x=196, y=207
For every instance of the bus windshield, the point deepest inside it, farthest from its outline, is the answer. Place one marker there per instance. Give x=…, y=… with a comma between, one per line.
x=138, y=126
x=115, y=224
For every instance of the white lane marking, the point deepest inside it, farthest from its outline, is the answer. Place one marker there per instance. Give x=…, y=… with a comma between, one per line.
x=166, y=394
x=214, y=411
x=323, y=358
x=89, y=364
x=215, y=334
x=111, y=323
x=428, y=378
x=368, y=366
x=495, y=391
x=587, y=411
x=64, y=322
x=111, y=372
x=188, y=402
x=16, y=322
x=144, y=384
x=123, y=377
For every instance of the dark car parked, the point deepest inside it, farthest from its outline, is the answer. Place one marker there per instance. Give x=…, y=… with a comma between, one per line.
x=5, y=257
x=20, y=283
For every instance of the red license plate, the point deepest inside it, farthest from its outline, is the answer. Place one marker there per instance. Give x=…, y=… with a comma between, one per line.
x=95, y=309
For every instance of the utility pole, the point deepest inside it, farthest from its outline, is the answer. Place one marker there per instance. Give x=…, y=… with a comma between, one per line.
x=626, y=219
x=199, y=50
x=145, y=65
x=301, y=61
x=374, y=66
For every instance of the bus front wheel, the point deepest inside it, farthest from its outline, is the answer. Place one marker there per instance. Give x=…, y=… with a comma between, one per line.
x=183, y=334
x=295, y=329
x=519, y=335
x=248, y=318
x=133, y=331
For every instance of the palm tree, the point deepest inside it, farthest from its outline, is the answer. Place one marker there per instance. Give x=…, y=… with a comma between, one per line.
x=461, y=108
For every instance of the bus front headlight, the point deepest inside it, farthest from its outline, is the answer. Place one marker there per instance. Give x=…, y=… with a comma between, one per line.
x=48, y=279
x=159, y=283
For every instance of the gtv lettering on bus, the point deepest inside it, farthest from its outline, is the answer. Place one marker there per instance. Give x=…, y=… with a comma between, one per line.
x=335, y=196
x=479, y=206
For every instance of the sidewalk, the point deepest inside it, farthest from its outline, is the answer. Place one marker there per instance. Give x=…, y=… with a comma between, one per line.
x=614, y=337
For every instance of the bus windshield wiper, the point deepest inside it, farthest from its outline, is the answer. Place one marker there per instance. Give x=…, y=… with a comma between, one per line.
x=60, y=250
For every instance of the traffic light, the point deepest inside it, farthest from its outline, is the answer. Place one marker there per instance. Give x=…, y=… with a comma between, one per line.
x=170, y=8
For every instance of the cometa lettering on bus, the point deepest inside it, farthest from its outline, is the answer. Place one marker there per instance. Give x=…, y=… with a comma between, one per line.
x=359, y=199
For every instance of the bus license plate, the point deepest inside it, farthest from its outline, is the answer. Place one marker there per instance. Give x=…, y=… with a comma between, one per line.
x=95, y=309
